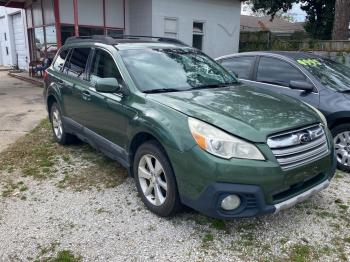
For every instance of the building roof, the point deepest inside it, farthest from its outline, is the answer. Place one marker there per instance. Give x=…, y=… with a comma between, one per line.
x=255, y=23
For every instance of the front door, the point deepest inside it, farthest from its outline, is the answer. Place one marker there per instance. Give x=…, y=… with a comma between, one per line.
x=107, y=117
x=275, y=75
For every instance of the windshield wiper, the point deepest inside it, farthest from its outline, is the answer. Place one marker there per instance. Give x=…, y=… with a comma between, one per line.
x=161, y=90
x=347, y=91
x=214, y=86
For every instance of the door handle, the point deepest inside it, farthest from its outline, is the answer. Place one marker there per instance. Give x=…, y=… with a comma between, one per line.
x=60, y=82
x=86, y=95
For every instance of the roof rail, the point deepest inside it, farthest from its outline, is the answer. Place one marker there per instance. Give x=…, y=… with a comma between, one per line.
x=97, y=38
x=114, y=40
x=158, y=38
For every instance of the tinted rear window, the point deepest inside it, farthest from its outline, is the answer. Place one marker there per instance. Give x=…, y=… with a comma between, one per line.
x=76, y=65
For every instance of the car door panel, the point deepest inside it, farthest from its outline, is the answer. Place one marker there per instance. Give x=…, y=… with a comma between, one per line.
x=76, y=84
x=274, y=75
x=106, y=114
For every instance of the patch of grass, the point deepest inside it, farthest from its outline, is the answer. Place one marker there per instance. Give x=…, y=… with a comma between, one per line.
x=343, y=207
x=101, y=210
x=11, y=187
x=339, y=174
x=207, y=238
x=301, y=253
x=347, y=240
x=33, y=153
x=218, y=224
x=37, y=155
x=248, y=239
x=66, y=256
x=326, y=214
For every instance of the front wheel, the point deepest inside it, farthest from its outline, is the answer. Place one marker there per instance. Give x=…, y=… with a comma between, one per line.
x=341, y=136
x=155, y=180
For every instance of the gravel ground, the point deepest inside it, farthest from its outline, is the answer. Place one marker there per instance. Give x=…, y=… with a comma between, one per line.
x=97, y=220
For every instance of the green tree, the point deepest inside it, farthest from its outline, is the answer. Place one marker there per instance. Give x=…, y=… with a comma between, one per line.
x=320, y=14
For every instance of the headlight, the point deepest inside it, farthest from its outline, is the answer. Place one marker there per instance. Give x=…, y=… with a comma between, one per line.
x=221, y=144
x=323, y=118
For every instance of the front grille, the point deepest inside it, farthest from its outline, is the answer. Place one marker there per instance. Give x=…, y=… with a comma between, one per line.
x=299, y=147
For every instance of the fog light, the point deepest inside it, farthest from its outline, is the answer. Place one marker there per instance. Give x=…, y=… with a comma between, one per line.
x=230, y=202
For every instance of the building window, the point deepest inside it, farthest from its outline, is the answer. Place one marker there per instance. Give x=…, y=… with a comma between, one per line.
x=115, y=32
x=66, y=31
x=39, y=43
x=37, y=13
x=88, y=31
x=198, y=35
x=48, y=11
x=51, y=41
x=171, y=27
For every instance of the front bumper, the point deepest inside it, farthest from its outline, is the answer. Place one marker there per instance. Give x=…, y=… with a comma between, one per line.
x=252, y=197
x=264, y=188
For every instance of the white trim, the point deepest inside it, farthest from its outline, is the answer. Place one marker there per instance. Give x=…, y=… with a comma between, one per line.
x=302, y=197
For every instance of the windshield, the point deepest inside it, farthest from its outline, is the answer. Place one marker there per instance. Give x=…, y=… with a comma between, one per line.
x=331, y=74
x=174, y=69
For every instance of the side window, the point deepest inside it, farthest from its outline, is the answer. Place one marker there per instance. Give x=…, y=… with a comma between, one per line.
x=276, y=71
x=78, y=60
x=103, y=66
x=60, y=60
x=241, y=66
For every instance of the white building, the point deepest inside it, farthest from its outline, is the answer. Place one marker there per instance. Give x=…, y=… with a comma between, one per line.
x=210, y=25
x=14, y=49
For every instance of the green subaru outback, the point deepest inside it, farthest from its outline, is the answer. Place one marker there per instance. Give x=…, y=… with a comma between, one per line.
x=186, y=130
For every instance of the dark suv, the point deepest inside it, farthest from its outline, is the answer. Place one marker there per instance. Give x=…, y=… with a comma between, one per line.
x=318, y=81
x=185, y=128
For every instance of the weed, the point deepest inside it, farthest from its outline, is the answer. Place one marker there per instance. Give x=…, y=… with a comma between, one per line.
x=208, y=238
x=301, y=253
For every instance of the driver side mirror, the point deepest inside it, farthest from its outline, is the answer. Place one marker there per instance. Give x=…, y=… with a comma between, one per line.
x=107, y=85
x=301, y=85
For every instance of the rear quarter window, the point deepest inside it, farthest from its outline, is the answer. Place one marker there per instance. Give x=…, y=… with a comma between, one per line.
x=60, y=60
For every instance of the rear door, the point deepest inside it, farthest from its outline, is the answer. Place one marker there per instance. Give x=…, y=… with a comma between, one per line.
x=241, y=66
x=74, y=84
x=275, y=74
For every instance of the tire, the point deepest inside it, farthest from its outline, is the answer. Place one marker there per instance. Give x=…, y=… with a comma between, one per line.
x=341, y=134
x=58, y=129
x=156, y=185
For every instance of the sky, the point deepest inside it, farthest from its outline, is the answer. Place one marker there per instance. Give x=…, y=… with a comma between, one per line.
x=296, y=12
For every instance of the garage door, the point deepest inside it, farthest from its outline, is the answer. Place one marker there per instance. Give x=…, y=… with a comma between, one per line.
x=20, y=44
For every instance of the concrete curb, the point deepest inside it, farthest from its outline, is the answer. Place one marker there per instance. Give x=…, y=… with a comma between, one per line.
x=27, y=79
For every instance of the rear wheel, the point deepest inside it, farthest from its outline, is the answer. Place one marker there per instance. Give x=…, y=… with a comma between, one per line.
x=59, y=132
x=155, y=180
x=341, y=136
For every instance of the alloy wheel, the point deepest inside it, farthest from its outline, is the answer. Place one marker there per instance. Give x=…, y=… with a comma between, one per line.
x=152, y=179
x=342, y=148
x=57, y=123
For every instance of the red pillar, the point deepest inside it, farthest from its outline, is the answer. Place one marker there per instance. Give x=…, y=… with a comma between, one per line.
x=76, y=24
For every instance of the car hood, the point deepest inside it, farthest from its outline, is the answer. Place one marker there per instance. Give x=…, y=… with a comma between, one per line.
x=241, y=110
